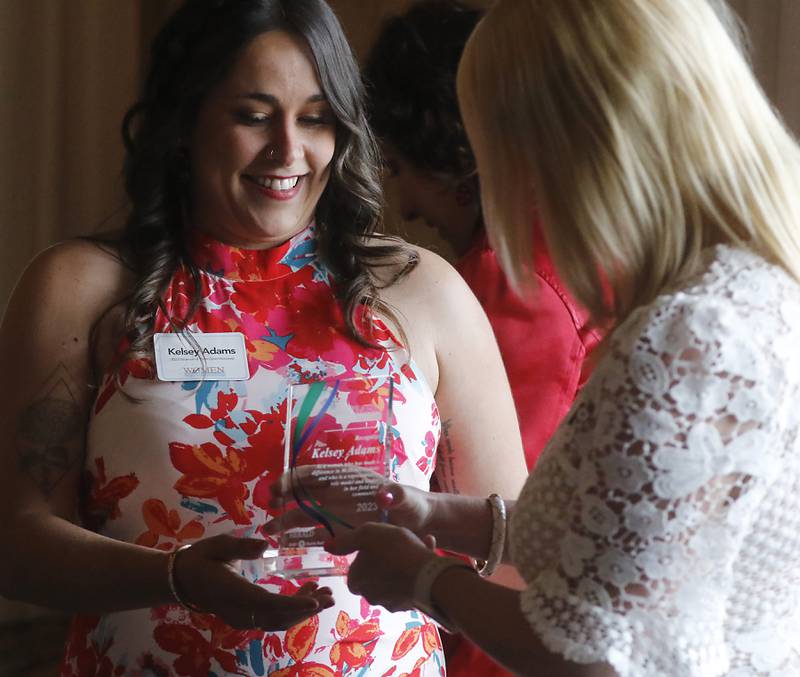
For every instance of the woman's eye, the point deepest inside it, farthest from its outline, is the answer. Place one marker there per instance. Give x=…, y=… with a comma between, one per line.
x=252, y=118
x=316, y=120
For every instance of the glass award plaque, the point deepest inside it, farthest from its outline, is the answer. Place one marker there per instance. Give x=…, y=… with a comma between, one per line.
x=337, y=452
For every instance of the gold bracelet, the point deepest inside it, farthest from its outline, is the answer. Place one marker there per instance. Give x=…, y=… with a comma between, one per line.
x=171, y=579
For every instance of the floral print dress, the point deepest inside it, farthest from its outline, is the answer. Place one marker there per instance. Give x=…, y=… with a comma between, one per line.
x=195, y=459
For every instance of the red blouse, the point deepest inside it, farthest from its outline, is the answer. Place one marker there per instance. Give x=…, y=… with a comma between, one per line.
x=544, y=341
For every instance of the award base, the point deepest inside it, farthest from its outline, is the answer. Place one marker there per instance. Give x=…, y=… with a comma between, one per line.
x=308, y=562
x=295, y=563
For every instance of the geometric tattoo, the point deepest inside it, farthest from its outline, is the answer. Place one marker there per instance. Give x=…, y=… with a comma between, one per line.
x=48, y=434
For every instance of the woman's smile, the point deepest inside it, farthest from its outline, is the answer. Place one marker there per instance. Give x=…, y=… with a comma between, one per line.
x=277, y=187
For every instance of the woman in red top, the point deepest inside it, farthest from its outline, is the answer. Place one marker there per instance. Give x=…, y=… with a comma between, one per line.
x=410, y=74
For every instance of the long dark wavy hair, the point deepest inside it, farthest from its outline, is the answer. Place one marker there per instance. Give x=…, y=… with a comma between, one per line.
x=193, y=52
x=411, y=83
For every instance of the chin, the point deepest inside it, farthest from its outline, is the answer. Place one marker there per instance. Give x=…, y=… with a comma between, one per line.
x=276, y=229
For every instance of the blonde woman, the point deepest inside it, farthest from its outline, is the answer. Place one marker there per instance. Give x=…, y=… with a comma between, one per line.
x=660, y=531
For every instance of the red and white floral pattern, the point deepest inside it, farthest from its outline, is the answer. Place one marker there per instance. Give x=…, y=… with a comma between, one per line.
x=191, y=460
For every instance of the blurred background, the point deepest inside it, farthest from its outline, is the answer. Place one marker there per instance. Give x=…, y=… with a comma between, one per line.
x=68, y=71
x=70, y=68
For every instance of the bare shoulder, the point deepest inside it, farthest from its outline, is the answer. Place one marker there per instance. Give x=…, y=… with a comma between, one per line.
x=79, y=277
x=433, y=305
x=62, y=299
x=81, y=262
x=432, y=291
x=426, y=269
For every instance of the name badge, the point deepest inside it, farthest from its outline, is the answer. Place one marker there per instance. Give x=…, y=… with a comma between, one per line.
x=201, y=357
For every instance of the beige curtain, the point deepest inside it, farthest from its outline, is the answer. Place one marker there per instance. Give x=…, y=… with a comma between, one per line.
x=773, y=28
x=68, y=69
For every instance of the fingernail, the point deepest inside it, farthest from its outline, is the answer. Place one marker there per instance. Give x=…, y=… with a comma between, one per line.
x=385, y=498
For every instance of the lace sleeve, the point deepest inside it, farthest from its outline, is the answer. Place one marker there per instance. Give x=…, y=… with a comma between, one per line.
x=628, y=530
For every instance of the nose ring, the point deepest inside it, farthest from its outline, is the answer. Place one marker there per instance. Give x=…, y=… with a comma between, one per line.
x=271, y=152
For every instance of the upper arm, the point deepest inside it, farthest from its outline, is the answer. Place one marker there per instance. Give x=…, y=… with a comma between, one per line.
x=480, y=451
x=46, y=362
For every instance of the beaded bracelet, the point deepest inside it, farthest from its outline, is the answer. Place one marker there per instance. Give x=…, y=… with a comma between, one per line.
x=498, y=543
x=171, y=579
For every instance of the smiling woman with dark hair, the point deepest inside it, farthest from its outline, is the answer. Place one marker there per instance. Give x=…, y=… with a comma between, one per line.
x=254, y=232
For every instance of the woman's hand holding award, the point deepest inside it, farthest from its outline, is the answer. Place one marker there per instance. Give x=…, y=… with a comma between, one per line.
x=336, y=458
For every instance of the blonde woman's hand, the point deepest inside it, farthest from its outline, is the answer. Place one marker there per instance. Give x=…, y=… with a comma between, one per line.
x=386, y=567
x=330, y=486
x=205, y=576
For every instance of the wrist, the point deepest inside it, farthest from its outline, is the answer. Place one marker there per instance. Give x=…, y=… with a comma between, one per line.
x=177, y=590
x=151, y=579
x=429, y=513
x=442, y=514
x=432, y=571
x=447, y=515
x=153, y=568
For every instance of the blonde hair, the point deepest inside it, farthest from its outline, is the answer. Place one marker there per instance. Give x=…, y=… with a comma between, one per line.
x=641, y=130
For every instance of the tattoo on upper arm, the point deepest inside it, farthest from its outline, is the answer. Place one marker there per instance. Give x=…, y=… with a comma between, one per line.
x=445, y=466
x=50, y=432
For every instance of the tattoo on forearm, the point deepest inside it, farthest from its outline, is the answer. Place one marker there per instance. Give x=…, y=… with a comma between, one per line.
x=49, y=432
x=445, y=468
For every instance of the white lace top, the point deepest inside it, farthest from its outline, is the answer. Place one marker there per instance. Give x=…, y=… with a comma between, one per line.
x=660, y=531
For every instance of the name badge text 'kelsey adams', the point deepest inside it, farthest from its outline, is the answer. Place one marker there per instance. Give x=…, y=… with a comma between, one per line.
x=213, y=356
x=203, y=351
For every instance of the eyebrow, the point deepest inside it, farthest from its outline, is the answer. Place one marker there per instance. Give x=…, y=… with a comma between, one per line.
x=270, y=99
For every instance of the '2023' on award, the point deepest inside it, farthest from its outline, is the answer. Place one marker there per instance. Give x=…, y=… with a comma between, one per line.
x=337, y=455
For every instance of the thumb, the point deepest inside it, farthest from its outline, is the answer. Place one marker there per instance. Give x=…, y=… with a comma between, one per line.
x=430, y=541
x=345, y=542
x=299, y=602
x=227, y=548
